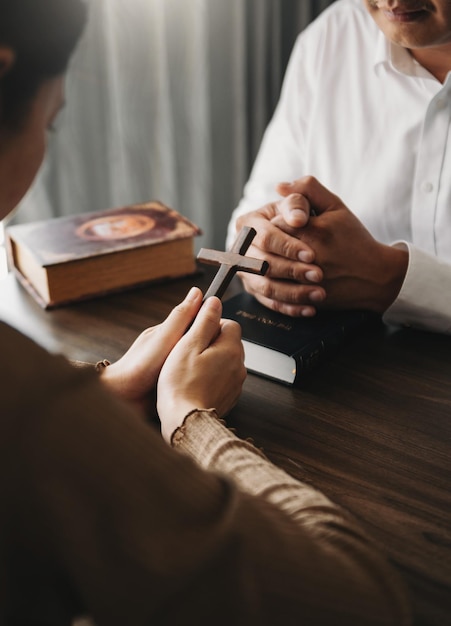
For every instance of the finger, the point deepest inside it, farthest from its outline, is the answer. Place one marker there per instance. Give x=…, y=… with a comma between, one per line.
x=319, y=197
x=272, y=239
x=286, y=269
x=267, y=222
x=284, y=293
x=264, y=213
x=229, y=340
x=206, y=326
x=230, y=331
x=292, y=310
x=295, y=209
x=184, y=313
x=181, y=316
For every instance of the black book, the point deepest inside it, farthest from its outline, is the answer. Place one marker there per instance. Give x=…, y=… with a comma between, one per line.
x=283, y=348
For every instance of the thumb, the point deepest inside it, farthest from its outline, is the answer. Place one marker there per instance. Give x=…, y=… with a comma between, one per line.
x=295, y=209
x=206, y=326
x=319, y=197
x=181, y=316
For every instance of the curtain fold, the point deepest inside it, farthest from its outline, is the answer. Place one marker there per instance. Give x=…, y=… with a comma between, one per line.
x=168, y=100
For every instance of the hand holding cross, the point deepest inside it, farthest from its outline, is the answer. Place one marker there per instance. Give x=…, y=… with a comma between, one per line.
x=232, y=262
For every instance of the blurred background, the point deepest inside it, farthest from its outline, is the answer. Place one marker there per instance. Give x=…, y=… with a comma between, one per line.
x=168, y=100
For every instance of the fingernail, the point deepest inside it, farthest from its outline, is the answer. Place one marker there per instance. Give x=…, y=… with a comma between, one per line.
x=298, y=214
x=316, y=296
x=213, y=303
x=312, y=275
x=306, y=256
x=285, y=184
x=192, y=294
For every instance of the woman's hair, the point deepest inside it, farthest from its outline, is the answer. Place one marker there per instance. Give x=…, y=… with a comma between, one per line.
x=43, y=35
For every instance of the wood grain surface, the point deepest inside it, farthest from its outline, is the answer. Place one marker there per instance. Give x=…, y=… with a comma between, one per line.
x=371, y=427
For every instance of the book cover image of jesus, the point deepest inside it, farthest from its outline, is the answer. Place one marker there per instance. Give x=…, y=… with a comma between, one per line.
x=119, y=226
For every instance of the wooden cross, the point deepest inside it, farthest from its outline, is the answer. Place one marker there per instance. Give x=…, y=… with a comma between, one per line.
x=232, y=262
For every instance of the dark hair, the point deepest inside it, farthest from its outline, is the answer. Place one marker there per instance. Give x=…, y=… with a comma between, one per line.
x=43, y=35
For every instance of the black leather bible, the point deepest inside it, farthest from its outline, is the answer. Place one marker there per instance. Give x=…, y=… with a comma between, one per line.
x=283, y=348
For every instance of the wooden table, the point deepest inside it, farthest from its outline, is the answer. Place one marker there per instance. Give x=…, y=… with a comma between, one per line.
x=371, y=428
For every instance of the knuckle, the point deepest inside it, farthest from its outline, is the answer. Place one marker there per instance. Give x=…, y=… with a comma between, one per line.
x=287, y=249
x=252, y=217
x=267, y=290
x=277, y=306
x=309, y=179
x=180, y=309
x=151, y=330
x=265, y=239
x=252, y=282
x=234, y=327
x=241, y=221
x=292, y=271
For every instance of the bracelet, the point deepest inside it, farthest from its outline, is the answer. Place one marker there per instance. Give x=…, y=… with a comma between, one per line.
x=100, y=365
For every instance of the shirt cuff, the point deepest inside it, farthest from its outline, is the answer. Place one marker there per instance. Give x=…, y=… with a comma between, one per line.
x=424, y=301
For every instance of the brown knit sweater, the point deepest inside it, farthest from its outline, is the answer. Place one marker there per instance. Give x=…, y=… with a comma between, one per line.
x=101, y=517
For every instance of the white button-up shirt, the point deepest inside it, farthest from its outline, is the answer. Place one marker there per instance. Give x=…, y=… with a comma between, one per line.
x=373, y=126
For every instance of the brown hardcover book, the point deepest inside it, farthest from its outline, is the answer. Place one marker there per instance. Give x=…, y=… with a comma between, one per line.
x=65, y=259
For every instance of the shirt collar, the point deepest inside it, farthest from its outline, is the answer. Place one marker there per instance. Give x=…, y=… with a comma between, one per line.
x=398, y=58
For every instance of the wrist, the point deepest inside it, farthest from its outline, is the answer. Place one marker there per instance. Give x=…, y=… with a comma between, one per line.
x=395, y=261
x=179, y=432
x=172, y=418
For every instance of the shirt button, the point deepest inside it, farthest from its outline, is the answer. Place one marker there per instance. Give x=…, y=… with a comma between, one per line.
x=427, y=187
x=440, y=104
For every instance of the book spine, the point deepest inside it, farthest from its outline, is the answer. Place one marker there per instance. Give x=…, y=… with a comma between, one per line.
x=311, y=359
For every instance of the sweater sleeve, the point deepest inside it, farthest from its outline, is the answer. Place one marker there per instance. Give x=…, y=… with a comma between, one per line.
x=346, y=562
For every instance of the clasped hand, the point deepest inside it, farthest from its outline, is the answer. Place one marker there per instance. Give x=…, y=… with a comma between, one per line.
x=199, y=368
x=320, y=255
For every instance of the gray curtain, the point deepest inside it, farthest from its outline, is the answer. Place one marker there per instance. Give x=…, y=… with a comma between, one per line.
x=168, y=100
